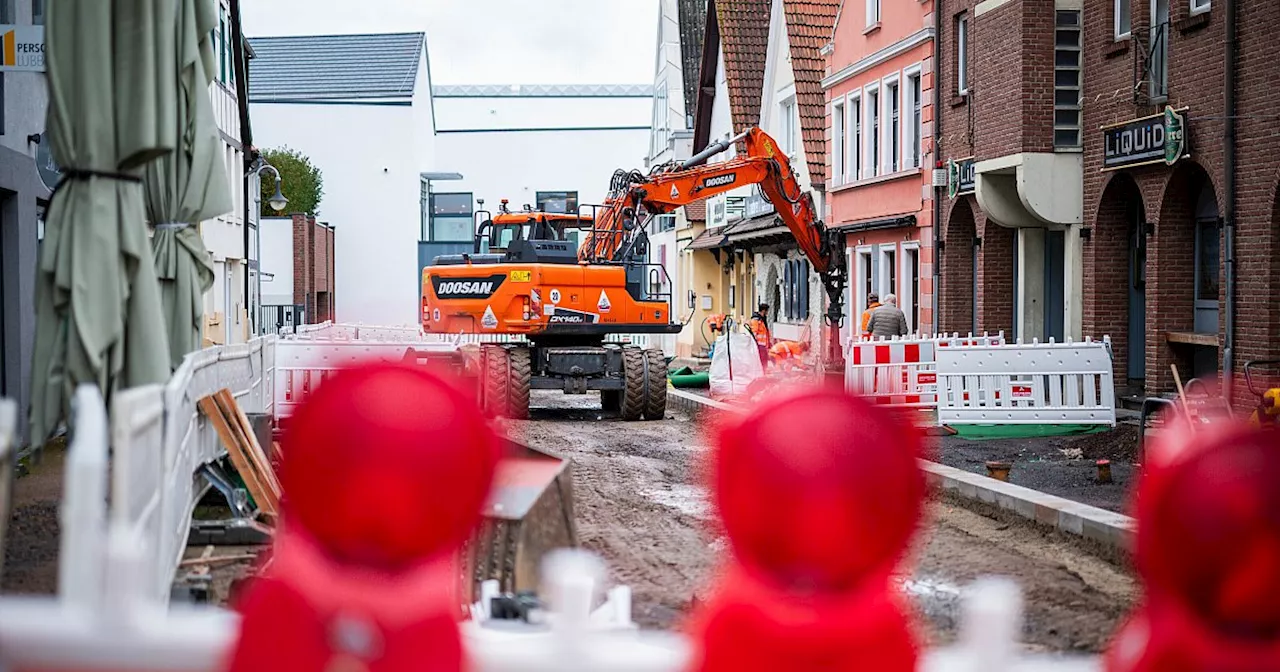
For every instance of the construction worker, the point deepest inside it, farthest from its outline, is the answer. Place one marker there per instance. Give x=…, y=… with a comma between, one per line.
x=873, y=302
x=759, y=325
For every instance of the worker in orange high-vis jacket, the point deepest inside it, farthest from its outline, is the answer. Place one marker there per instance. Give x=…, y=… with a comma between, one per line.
x=759, y=325
x=873, y=302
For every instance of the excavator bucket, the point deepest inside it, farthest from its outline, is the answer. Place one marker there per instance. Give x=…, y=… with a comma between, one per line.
x=529, y=513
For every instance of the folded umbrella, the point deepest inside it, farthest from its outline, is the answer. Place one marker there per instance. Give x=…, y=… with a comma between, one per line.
x=98, y=317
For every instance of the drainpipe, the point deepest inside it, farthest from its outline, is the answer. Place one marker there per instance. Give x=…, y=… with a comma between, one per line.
x=1229, y=186
x=937, y=156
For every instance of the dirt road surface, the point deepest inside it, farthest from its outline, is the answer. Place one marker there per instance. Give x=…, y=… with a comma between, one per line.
x=639, y=503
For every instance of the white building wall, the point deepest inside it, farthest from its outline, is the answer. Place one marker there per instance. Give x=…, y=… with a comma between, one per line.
x=277, y=260
x=779, y=117
x=224, y=235
x=371, y=185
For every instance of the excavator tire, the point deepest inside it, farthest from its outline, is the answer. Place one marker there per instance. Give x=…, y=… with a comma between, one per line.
x=656, y=401
x=611, y=400
x=634, y=395
x=507, y=373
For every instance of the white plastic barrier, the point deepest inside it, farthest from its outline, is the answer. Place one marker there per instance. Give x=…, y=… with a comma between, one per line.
x=901, y=372
x=1036, y=383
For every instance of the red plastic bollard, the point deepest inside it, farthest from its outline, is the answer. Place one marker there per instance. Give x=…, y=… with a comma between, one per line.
x=1208, y=551
x=820, y=494
x=388, y=468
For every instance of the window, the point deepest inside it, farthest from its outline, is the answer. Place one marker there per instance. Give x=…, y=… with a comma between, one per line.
x=1207, y=253
x=837, y=143
x=873, y=12
x=962, y=54
x=222, y=47
x=1066, y=80
x=787, y=125
x=1158, y=56
x=911, y=304
x=865, y=285
x=855, y=134
x=1199, y=6
x=873, y=131
x=37, y=12
x=888, y=271
x=6, y=12
x=893, y=101
x=915, y=126
x=662, y=223
x=658, y=139
x=795, y=290
x=451, y=217
x=1123, y=17
x=564, y=202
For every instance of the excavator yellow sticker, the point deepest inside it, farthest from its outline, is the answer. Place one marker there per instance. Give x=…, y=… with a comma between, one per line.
x=521, y=276
x=768, y=148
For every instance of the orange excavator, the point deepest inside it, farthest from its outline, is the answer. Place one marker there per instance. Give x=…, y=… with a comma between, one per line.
x=528, y=276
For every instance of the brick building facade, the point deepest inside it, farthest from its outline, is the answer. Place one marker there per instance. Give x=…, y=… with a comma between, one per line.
x=1157, y=253
x=1084, y=142
x=313, y=285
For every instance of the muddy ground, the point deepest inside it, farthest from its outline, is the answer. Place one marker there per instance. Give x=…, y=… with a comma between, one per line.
x=1062, y=466
x=31, y=543
x=639, y=504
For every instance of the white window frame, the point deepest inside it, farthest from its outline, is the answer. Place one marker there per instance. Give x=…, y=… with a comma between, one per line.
x=905, y=299
x=872, y=145
x=909, y=134
x=888, y=85
x=1078, y=126
x=1200, y=6
x=788, y=121
x=883, y=285
x=962, y=54
x=1116, y=13
x=853, y=104
x=873, y=12
x=838, y=142
x=862, y=255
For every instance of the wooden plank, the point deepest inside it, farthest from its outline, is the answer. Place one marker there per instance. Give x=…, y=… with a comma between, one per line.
x=250, y=440
x=1192, y=338
x=257, y=488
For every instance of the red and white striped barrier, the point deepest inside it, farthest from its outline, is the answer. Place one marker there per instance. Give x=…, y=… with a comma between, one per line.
x=902, y=372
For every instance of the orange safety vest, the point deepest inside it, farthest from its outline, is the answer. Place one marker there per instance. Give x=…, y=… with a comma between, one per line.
x=866, y=318
x=760, y=330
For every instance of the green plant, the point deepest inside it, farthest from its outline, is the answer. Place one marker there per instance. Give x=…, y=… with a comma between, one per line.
x=300, y=181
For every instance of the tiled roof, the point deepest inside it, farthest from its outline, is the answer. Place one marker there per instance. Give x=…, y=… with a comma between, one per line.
x=542, y=91
x=744, y=39
x=696, y=211
x=809, y=26
x=692, y=15
x=318, y=67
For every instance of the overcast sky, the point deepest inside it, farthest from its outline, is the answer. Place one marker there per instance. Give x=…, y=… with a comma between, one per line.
x=490, y=41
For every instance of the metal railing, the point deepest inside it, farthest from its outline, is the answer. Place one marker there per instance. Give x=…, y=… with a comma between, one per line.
x=280, y=316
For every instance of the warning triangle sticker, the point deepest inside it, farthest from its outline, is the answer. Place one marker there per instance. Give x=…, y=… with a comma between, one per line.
x=489, y=321
x=603, y=304
x=535, y=296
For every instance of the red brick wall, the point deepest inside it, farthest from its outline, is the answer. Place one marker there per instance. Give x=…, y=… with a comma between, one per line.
x=302, y=251
x=1011, y=78
x=1196, y=72
x=956, y=301
x=313, y=268
x=996, y=291
x=1105, y=307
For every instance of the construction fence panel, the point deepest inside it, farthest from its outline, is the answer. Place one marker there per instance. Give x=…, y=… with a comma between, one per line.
x=901, y=371
x=1037, y=383
x=139, y=481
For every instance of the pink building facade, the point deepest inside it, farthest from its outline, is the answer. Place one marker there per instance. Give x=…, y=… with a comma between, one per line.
x=878, y=83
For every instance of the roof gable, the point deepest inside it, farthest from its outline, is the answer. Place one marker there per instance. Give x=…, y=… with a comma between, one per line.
x=332, y=67
x=692, y=18
x=809, y=26
x=744, y=39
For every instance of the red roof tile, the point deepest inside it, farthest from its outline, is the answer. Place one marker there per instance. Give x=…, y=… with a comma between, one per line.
x=744, y=40
x=696, y=211
x=809, y=26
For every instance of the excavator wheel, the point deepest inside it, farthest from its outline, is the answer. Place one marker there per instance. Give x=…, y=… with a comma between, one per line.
x=611, y=400
x=507, y=372
x=634, y=395
x=656, y=401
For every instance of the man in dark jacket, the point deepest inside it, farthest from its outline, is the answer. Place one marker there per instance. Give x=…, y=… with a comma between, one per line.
x=888, y=320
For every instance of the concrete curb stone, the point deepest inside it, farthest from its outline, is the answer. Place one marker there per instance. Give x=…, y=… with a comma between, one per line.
x=1112, y=531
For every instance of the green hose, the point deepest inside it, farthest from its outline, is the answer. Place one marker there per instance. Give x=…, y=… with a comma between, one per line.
x=691, y=380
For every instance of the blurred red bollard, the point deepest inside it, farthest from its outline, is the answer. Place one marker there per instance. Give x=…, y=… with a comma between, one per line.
x=388, y=468
x=1208, y=552
x=820, y=494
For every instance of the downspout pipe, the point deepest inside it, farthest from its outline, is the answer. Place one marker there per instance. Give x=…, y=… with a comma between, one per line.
x=937, y=157
x=1229, y=189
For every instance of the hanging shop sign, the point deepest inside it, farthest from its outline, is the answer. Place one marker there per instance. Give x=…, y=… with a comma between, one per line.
x=21, y=48
x=1159, y=138
x=756, y=204
x=960, y=177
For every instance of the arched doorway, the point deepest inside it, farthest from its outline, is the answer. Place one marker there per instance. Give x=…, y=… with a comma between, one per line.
x=1118, y=276
x=958, y=304
x=1185, y=269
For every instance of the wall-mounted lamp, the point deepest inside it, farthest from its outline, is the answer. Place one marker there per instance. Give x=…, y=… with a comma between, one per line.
x=1149, y=228
x=1086, y=233
x=977, y=241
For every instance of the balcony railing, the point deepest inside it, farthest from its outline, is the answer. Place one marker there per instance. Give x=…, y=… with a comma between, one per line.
x=277, y=317
x=1154, y=65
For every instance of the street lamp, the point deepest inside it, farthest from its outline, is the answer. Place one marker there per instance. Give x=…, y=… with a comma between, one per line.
x=277, y=201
